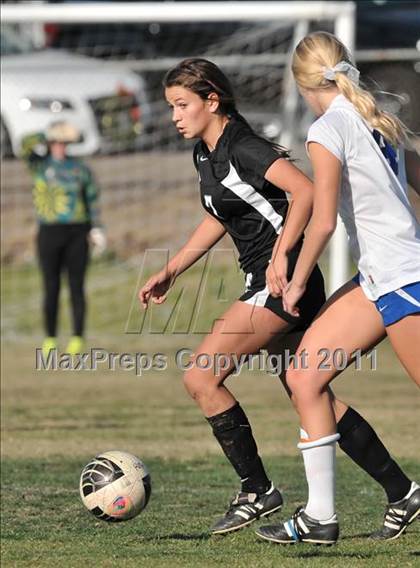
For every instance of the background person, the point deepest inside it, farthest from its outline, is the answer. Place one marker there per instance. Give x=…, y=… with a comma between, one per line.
x=65, y=197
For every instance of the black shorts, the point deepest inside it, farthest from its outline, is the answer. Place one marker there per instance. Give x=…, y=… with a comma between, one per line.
x=257, y=294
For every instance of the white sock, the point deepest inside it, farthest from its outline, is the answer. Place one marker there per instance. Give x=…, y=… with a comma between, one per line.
x=319, y=460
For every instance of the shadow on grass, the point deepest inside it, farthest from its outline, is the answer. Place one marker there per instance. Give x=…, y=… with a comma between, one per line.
x=179, y=536
x=318, y=553
x=326, y=551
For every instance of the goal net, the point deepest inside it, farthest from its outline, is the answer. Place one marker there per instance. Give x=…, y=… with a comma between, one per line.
x=100, y=65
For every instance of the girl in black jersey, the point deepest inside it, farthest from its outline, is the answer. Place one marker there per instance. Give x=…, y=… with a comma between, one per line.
x=243, y=180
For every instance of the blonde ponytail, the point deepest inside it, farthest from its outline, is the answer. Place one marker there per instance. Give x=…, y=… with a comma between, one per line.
x=391, y=128
x=321, y=51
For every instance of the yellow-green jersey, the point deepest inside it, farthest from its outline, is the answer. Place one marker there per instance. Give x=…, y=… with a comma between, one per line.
x=64, y=191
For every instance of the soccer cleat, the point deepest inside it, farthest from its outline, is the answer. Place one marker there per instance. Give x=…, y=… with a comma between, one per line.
x=75, y=345
x=49, y=344
x=302, y=528
x=247, y=508
x=399, y=515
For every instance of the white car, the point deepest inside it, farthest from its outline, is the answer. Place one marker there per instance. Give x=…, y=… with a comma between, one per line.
x=106, y=103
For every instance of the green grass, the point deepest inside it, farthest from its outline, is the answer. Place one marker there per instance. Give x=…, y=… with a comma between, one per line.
x=113, y=307
x=49, y=526
x=54, y=422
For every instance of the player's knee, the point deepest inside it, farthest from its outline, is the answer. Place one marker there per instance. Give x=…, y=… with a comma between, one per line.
x=189, y=383
x=196, y=385
x=302, y=384
x=293, y=401
x=293, y=381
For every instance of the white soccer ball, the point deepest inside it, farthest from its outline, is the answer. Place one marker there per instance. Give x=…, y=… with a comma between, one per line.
x=115, y=486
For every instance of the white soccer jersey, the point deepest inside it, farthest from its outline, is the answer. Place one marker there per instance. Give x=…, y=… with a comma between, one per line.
x=384, y=235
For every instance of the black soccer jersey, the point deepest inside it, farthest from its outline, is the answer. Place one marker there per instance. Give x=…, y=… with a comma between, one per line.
x=234, y=191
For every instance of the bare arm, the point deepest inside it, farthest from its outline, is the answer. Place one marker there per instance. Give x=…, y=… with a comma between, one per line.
x=206, y=235
x=327, y=176
x=412, y=166
x=284, y=174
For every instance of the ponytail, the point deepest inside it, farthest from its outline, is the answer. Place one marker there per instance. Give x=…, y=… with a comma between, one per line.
x=391, y=127
x=320, y=60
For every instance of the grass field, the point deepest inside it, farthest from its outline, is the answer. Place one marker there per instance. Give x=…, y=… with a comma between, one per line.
x=54, y=422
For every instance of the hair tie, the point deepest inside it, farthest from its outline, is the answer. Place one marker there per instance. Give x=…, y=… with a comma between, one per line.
x=342, y=67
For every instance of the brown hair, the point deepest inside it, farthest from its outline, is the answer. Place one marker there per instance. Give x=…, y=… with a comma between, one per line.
x=203, y=77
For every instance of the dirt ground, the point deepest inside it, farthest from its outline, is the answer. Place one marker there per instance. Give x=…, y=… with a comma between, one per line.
x=148, y=199
x=47, y=413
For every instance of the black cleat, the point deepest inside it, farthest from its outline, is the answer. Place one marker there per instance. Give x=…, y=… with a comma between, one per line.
x=399, y=515
x=247, y=508
x=302, y=528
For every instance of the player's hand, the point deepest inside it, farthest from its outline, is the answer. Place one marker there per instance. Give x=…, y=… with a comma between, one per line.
x=97, y=238
x=291, y=296
x=276, y=275
x=156, y=288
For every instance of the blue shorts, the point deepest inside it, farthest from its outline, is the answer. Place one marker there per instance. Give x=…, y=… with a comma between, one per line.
x=395, y=305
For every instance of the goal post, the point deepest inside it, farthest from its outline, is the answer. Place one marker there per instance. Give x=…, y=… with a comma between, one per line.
x=101, y=12
x=235, y=55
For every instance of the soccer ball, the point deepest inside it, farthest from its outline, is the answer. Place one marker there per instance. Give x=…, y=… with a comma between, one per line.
x=115, y=486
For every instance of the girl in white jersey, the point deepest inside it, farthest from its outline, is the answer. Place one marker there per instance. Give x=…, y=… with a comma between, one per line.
x=359, y=173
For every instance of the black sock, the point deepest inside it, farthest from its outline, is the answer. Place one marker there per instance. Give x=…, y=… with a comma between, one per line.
x=361, y=443
x=233, y=432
